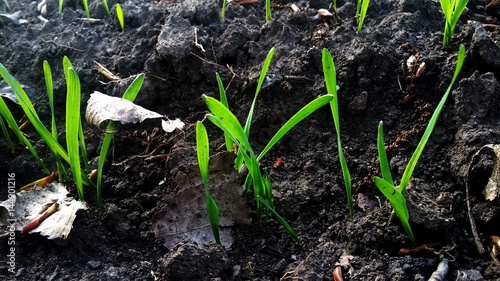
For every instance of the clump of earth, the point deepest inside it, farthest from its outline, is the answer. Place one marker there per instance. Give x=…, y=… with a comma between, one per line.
x=151, y=175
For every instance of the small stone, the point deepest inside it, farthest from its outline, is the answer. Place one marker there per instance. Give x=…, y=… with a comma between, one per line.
x=94, y=264
x=359, y=103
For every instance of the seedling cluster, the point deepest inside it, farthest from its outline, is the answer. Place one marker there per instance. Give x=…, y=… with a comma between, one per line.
x=235, y=133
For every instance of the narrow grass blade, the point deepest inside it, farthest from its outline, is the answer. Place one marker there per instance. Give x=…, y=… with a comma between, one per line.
x=50, y=93
x=202, y=150
x=385, y=169
x=119, y=15
x=223, y=100
x=106, y=7
x=398, y=203
x=281, y=221
x=86, y=7
x=130, y=94
x=297, y=118
x=262, y=78
x=60, y=6
x=331, y=87
x=364, y=9
x=432, y=123
x=83, y=148
x=223, y=11
x=6, y=134
x=268, y=10
x=72, y=127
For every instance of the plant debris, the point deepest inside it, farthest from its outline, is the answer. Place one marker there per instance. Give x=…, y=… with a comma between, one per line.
x=101, y=107
x=35, y=211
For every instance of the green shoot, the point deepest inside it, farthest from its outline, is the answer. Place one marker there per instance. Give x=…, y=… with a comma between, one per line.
x=223, y=118
x=361, y=14
x=9, y=118
x=106, y=7
x=223, y=11
x=50, y=93
x=331, y=87
x=130, y=95
x=72, y=127
x=268, y=10
x=432, y=123
x=34, y=119
x=6, y=134
x=223, y=100
x=398, y=202
x=385, y=184
x=262, y=78
x=202, y=149
x=119, y=15
x=334, y=4
x=452, y=10
x=86, y=7
x=60, y=6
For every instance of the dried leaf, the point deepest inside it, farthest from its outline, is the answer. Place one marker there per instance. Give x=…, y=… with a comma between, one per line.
x=184, y=218
x=101, y=107
x=492, y=189
x=26, y=206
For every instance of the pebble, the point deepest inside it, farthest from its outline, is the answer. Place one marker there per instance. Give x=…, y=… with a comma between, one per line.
x=94, y=264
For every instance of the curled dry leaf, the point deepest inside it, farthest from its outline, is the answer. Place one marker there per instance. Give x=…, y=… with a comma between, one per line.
x=101, y=107
x=492, y=188
x=324, y=13
x=48, y=211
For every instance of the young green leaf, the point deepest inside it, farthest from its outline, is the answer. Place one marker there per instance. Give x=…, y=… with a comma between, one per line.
x=202, y=149
x=384, y=163
x=398, y=203
x=86, y=7
x=119, y=15
x=362, y=15
x=223, y=100
x=50, y=93
x=452, y=10
x=268, y=10
x=223, y=11
x=60, y=6
x=72, y=127
x=432, y=123
x=331, y=87
x=6, y=134
x=106, y=7
x=280, y=220
x=295, y=119
x=130, y=94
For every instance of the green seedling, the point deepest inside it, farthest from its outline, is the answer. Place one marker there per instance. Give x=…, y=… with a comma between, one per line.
x=268, y=10
x=257, y=177
x=61, y=2
x=331, y=87
x=119, y=15
x=106, y=7
x=130, y=95
x=452, y=10
x=223, y=11
x=223, y=99
x=203, y=152
x=73, y=126
x=86, y=7
x=361, y=10
x=386, y=184
x=50, y=93
x=52, y=143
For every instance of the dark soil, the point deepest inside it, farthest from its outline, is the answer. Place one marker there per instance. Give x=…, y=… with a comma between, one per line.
x=159, y=40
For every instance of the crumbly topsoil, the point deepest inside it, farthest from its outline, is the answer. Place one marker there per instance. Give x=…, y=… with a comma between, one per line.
x=179, y=45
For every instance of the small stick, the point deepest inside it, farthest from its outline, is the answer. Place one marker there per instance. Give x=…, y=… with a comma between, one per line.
x=36, y=222
x=441, y=271
x=104, y=71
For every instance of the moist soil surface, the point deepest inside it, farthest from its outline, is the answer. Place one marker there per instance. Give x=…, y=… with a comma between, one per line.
x=179, y=46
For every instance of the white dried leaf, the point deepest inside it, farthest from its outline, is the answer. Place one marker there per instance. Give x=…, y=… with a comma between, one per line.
x=27, y=205
x=101, y=107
